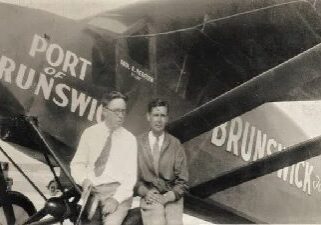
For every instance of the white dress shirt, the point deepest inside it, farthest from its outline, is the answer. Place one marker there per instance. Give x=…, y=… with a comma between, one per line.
x=152, y=140
x=121, y=165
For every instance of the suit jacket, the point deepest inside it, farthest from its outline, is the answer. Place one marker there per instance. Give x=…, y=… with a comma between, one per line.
x=173, y=172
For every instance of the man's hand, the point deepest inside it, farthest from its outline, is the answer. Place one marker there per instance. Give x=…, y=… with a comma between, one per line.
x=86, y=184
x=153, y=196
x=110, y=206
x=169, y=197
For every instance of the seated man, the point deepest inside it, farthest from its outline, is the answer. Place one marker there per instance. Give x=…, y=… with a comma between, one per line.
x=106, y=159
x=162, y=170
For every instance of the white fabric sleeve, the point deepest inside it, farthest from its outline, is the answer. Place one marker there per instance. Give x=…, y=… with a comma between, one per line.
x=79, y=164
x=129, y=177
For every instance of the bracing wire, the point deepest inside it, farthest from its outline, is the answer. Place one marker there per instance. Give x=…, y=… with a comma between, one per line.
x=201, y=26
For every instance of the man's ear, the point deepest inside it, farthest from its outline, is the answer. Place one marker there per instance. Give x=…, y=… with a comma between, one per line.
x=167, y=119
x=148, y=117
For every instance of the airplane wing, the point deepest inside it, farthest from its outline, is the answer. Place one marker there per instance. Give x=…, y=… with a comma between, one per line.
x=276, y=84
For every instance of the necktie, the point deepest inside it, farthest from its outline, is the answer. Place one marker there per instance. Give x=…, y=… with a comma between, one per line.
x=101, y=161
x=156, y=154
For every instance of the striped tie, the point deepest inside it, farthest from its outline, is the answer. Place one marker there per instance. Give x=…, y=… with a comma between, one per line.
x=102, y=159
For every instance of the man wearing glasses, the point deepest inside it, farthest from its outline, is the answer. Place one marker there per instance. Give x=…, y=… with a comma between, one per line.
x=106, y=159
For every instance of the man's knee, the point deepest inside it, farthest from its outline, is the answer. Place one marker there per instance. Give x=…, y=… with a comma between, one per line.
x=134, y=217
x=117, y=217
x=154, y=208
x=174, y=213
x=153, y=214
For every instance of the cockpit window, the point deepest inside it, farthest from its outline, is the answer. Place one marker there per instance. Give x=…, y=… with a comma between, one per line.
x=103, y=60
x=138, y=48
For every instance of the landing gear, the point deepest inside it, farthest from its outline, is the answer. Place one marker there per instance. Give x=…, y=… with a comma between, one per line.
x=58, y=209
x=15, y=208
x=53, y=188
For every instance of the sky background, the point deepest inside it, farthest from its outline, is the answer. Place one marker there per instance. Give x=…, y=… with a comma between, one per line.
x=74, y=9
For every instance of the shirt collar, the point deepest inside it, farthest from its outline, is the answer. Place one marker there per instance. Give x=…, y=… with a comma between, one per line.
x=103, y=124
x=151, y=136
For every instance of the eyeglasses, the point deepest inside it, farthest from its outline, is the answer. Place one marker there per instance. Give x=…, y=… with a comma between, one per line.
x=117, y=111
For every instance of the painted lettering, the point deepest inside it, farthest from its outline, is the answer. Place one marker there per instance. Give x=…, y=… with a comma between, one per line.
x=7, y=66
x=234, y=135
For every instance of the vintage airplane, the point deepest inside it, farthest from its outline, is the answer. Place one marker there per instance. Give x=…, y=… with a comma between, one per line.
x=242, y=79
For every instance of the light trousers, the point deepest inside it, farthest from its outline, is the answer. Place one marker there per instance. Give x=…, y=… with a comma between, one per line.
x=157, y=214
x=98, y=200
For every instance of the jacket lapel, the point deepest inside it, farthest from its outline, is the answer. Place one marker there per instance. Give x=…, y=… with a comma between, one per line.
x=164, y=146
x=147, y=151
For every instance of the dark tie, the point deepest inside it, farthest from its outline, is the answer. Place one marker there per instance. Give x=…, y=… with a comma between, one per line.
x=156, y=154
x=102, y=159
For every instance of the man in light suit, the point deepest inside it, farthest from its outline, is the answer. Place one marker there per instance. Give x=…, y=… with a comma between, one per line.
x=162, y=170
x=106, y=159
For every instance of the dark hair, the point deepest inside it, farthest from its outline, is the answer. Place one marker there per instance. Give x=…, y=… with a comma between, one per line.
x=157, y=102
x=106, y=98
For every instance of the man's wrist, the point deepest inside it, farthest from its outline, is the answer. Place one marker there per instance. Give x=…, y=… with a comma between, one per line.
x=114, y=200
x=86, y=183
x=169, y=196
x=142, y=191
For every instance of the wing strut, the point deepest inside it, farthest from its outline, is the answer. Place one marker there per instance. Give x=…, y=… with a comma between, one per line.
x=294, y=154
x=23, y=173
x=52, y=153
